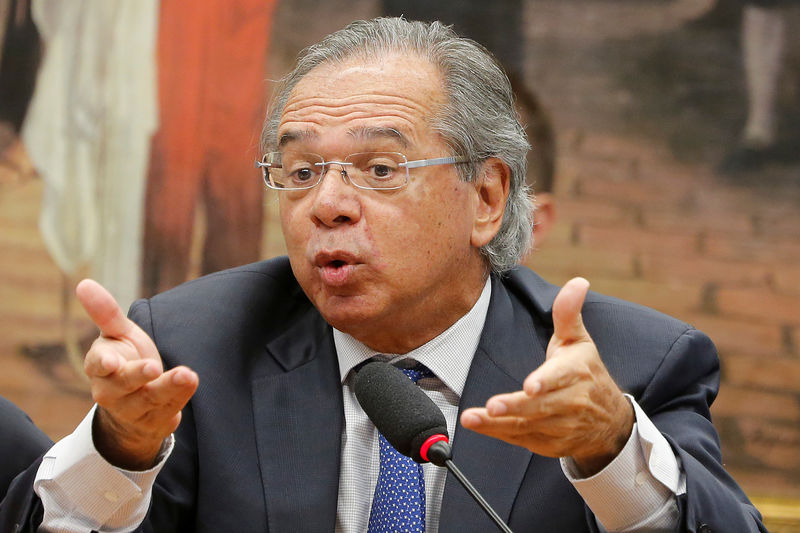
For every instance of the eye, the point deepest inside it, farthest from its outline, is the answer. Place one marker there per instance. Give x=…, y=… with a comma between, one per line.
x=302, y=175
x=299, y=169
x=381, y=171
x=379, y=167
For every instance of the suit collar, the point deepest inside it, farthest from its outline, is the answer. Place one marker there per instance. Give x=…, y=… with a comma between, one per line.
x=512, y=345
x=296, y=393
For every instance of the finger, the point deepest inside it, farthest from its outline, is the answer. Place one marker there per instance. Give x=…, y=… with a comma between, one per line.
x=103, y=309
x=147, y=409
x=502, y=427
x=100, y=363
x=109, y=317
x=545, y=437
x=162, y=398
x=567, y=321
x=125, y=379
x=521, y=403
x=555, y=374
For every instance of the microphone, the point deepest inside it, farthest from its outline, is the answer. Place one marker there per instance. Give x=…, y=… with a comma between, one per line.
x=411, y=422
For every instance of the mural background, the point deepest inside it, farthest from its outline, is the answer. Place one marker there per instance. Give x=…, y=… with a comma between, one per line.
x=646, y=99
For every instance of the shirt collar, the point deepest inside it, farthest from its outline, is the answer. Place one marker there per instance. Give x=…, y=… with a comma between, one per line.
x=449, y=355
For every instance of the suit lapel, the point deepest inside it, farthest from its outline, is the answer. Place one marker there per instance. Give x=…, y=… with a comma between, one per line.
x=512, y=345
x=298, y=413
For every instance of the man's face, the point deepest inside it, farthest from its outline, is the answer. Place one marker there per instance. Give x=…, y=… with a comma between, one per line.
x=392, y=268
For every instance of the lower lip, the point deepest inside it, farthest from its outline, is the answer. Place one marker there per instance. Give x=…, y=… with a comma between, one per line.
x=337, y=276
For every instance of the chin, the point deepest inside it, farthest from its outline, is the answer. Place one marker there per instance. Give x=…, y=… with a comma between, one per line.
x=345, y=313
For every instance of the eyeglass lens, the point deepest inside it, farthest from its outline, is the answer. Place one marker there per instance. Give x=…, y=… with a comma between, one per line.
x=366, y=170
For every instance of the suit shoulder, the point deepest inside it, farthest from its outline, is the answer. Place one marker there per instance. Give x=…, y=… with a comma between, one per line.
x=228, y=307
x=540, y=294
x=633, y=339
x=244, y=285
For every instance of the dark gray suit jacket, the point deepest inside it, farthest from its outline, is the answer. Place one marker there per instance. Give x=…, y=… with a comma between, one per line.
x=21, y=442
x=259, y=445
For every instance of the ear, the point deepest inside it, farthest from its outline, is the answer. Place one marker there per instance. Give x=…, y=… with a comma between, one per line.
x=544, y=216
x=491, y=190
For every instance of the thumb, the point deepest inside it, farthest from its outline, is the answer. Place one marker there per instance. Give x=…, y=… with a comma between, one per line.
x=107, y=315
x=567, y=320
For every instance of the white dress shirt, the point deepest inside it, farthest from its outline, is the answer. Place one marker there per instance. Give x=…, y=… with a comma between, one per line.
x=81, y=490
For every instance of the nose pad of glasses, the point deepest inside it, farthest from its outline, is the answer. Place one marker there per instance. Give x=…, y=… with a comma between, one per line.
x=342, y=169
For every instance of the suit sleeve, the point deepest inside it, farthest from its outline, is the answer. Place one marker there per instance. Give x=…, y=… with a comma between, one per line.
x=172, y=504
x=678, y=400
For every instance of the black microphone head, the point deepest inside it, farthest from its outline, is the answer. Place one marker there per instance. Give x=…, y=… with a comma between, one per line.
x=398, y=408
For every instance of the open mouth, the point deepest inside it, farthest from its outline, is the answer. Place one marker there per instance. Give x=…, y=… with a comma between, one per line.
x=336, y=268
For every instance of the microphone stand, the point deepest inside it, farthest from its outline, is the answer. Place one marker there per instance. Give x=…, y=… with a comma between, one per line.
x=440, y=454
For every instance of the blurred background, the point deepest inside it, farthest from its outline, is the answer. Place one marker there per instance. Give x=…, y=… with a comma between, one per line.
x=666, y=141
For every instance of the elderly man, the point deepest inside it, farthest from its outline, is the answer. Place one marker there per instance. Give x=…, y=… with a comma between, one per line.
x=399, y=167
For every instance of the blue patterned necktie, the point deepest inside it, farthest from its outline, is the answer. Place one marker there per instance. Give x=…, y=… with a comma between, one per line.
x=399, y=501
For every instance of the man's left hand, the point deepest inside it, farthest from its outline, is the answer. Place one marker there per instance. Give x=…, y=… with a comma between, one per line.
x=570, y=405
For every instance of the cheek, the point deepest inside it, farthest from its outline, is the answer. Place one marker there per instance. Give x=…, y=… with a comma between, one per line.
x=436, y=225
x=291, y=224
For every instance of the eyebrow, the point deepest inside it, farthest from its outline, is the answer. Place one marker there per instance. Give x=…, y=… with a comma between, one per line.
x=378, y=132
x=360, y=134
x=296, y=135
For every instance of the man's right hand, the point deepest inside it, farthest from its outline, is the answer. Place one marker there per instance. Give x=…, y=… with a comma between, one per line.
x=139, y=404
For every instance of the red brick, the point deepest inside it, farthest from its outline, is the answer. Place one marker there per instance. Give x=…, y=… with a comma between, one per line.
x=739, y=337
x=773, y=373
x=679, y=300
x=753, y=249
x=21, y=202
x=636, y=240
x=760, y=304
x=26, y=237
x=775, y=455
x=560, y=234
x=611, y=188
x=692, y=221
x=701, y=269
x=735, y=401
x=272, y=242
x=760, y=482
x=563, y=261
x=776, y=445
x=609, y=146
x=778, y=222
x=567, y=174
x=29, y=300
x=759, y=431
x=580, y=209
x=786, y=279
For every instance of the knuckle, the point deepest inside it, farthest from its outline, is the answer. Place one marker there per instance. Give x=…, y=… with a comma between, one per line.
x=520, y=424
x=101, y=396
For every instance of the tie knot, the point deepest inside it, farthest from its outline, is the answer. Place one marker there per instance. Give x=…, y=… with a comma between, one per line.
x=417, y=372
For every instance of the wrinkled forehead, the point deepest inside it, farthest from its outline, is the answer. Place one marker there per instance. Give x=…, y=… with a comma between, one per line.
x=393, y=97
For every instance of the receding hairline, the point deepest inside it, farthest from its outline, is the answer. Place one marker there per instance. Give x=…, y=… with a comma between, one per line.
x=367, y=58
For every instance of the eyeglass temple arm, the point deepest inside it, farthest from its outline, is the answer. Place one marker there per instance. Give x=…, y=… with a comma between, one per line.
x=435, y=161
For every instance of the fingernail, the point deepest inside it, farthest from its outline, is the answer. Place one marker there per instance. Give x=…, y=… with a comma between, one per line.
x=497, y=408
x=533, y=388
x=150, y=371
x=180, y=378
x=107, y=364
x=469, y=419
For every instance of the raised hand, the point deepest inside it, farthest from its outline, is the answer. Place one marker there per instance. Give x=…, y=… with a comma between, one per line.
x=138, y=403
x=570, y=405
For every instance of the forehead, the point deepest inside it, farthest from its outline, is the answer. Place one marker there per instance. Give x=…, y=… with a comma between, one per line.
x=391, y=98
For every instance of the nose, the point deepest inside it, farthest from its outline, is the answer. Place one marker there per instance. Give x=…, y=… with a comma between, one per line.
x=336, y=201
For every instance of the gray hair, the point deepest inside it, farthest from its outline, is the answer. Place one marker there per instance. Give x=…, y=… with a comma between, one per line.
x=478, y=119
